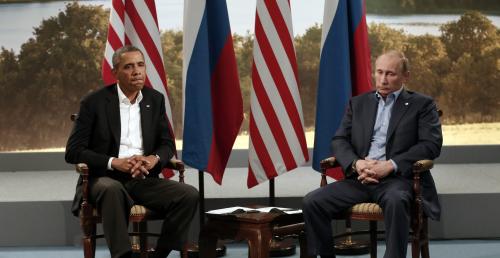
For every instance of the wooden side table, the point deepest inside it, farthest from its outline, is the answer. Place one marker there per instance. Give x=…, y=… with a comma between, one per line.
x=257, y=228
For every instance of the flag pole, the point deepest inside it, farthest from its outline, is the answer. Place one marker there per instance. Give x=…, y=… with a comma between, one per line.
x=272, y=200
x=284, y=247
x=192, y=249
x=201, y=191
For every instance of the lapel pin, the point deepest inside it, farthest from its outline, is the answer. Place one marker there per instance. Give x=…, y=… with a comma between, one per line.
x=406, y=103
x=148, y=105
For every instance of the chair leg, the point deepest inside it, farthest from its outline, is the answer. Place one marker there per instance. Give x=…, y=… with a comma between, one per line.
x=415, y=243
x=142, y=229
x=373, y=239
x=88, y=239
x=425, y=236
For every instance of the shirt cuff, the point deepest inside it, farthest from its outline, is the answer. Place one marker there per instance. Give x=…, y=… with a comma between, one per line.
x=109, y=163
x=394, y=165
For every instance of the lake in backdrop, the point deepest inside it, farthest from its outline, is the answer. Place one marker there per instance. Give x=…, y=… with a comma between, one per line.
x=18, y=20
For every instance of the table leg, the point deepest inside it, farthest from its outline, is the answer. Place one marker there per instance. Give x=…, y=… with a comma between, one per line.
x=258, y=243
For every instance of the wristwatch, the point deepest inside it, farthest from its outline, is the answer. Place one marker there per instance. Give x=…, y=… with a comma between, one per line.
x=353, y=166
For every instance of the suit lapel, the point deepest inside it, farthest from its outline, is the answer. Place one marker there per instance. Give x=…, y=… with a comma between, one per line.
x=369, y=116
x=113, y=113
x=398, y=110
x=146, y=122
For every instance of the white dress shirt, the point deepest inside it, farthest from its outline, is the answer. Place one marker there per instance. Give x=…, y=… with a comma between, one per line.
x=131, y=130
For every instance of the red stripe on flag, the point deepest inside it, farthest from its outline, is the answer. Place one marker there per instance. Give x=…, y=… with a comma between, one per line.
x=152, y=9
x=283, y=33
x=272, y=120
x=146, y=40
x=260, y=149
x=119, y=8
x=107, y=75
x=251, y=180
x=113, y=38
x=281, y=84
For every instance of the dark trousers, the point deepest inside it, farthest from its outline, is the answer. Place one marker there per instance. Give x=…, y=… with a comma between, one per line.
x=393, y=194
x=176, y=202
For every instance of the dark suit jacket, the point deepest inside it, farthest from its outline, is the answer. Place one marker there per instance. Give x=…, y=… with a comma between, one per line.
x=414, y=134
x=96, y=134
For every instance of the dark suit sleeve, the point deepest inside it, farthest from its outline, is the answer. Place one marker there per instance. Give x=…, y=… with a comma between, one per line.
x=77, y=147
x=429, y=142
x=341, y=143
x=166, y=146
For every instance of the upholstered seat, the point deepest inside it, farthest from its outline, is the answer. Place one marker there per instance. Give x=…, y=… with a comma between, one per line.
x=372, y=212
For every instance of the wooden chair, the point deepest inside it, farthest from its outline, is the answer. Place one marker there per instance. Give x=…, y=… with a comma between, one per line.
x=139, y=215
x=372, y=212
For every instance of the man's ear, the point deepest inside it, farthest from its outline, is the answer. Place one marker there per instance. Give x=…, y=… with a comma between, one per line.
x=406, y=77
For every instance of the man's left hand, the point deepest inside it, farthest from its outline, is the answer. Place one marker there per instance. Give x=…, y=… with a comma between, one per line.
x=143, y=164
x=380, y=169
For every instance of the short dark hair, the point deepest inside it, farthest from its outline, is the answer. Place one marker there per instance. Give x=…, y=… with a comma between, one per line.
x=120, y=51
x=405, y=64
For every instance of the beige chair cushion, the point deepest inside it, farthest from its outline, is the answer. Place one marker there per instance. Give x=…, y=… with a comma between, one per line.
x=136, y=210
x=366, y=208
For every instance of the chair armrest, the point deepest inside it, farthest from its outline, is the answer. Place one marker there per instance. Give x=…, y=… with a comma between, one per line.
x=175, y=164
x=82, y=169
x=422, y=165
x=328, y=163
x=178, y=165
x=325, y=164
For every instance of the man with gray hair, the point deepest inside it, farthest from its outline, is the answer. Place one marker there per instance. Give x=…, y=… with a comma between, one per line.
x=381, y=135
x=122, y=134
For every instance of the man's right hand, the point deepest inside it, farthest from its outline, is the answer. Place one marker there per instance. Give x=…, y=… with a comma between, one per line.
x=130, y=166
x=122, y=164
x=364, y=170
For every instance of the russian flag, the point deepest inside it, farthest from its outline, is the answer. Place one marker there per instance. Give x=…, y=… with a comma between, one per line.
x=345, y=70
x=213, y=106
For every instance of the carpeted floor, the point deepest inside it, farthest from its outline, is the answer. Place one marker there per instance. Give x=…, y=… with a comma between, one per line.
x=441, y=249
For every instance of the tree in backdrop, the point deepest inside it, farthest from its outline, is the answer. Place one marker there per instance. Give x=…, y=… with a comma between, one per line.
x=43, y=85
x=172, y=59
x=470, y=88
x=56, y=68
x=243, y=49
x=428, y=64
x=308, y=47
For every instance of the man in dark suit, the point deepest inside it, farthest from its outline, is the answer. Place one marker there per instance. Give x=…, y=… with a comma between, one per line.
x=381, y=135
x=122, y=134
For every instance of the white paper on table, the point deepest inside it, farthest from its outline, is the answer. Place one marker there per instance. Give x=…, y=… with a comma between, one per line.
x=245, y=209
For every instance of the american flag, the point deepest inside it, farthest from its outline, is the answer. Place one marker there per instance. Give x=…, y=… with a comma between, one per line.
x=134, y=22
x=277, y=140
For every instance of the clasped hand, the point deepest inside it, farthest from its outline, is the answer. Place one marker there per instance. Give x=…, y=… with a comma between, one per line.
x=137, y=165
x=371, y=171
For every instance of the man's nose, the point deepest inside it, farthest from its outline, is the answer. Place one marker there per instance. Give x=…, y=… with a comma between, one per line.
x=136, y=70
x=383, y=79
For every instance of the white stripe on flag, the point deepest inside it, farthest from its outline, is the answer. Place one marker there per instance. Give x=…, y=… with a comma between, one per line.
x=285, y=152
x=278, y=105
x=281, y=56
x=329, y=14
x=193, y=15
